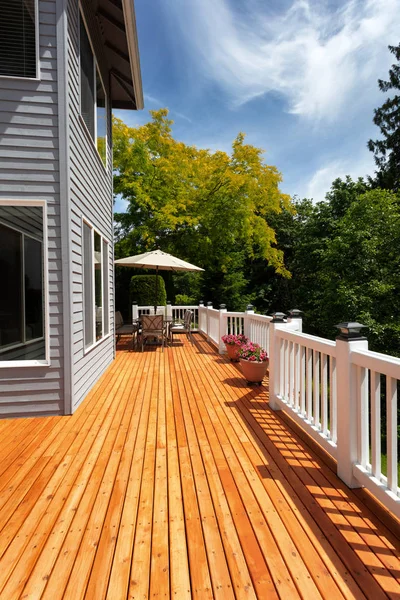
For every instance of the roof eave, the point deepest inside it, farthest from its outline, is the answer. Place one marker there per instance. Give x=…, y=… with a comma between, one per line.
x=133, y=48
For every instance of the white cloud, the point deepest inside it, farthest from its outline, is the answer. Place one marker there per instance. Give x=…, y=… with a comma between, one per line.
x=321, y=181
x=318, y=59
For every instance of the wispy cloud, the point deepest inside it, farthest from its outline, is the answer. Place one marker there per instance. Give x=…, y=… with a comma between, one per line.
x=320, y=183
x=317, y=59
x=152, y=100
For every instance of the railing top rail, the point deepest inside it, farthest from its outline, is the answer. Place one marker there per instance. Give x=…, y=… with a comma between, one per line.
x=234, y=314
x=184, y=306
x=214, y=310
x=382, y=363
x=255, y=317
x=310, y=341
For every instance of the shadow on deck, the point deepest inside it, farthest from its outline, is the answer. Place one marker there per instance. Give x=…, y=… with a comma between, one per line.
x=174, y=479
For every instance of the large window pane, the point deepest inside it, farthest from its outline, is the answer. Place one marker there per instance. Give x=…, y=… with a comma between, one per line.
x=22, y=298
x=106, y=316
x=98, y=290
x=17, y=38
x=87, y=79
x=101, y=116
x=11, y=317
x=88, y=285
x=33, y=288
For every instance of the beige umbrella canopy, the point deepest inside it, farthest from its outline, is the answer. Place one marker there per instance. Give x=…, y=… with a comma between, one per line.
x=157, y=260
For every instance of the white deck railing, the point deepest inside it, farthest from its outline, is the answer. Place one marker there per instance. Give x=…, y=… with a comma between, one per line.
x=337, y=391
x=177, y=312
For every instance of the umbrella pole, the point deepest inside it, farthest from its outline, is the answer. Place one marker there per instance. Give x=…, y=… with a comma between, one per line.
x=155, y=301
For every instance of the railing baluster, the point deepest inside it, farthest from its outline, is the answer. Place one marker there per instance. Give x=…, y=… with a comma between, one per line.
x=376, y=463
x=303, y=380
x=291, y=374
x=362, y=402
x=309, y=384
x=333, y=400
x=391, y=417
x=324, y=393
x=296, y=376
x=287, y=385
x=316, y=410
x=282, y=368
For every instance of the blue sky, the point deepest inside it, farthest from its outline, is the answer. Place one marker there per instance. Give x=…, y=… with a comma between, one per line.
x=299, y=77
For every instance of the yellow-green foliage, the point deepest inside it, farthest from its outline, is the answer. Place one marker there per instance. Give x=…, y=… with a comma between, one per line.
x=210, y=208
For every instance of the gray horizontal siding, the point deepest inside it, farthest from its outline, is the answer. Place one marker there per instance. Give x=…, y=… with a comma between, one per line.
x=29, y=169
x=90, y=198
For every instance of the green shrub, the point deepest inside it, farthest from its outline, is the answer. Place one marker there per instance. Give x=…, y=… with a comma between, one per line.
x=184, y=300
x=142, y=290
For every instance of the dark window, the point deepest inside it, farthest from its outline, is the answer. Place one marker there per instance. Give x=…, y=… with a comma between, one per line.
x=87, y=80
x=22, y=298
x=98, y=288
x=18, y=38
x=95, y=286
x=105, y=267
x=88, y=284
x=33, y=273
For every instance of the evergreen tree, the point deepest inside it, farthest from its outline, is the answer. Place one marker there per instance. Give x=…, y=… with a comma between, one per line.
x=387, y=118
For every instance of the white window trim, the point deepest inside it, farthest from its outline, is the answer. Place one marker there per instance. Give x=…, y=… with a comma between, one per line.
x=96, y=69
x=104, y=337
x=6, y=364
x=37, y=50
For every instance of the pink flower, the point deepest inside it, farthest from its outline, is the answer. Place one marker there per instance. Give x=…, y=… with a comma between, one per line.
x=253, y=352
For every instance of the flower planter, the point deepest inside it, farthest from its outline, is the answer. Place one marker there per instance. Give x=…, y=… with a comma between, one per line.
x=254, y=371
x=233, y=351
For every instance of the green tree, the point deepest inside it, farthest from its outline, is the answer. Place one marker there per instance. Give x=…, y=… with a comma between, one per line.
x=210, y=208
x=345, y=264
x=387, y=118
x=361, y=269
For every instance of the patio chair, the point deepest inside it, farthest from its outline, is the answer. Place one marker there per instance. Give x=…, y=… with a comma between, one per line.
x=184, y=327
x=152, y=327
x=122, y=328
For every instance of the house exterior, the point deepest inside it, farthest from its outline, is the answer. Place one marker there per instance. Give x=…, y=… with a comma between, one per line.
x=64, y=65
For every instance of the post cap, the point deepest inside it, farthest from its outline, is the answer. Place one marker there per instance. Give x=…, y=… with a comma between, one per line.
x=278, y=317
x=222, y=306
x=350, y=331
x=201, y=302
x=295, y=313
x=209, y=303
x=134, y=301
x=250, y=307
x=168, y=301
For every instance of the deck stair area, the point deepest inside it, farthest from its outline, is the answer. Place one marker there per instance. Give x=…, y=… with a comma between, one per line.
x=174, y=479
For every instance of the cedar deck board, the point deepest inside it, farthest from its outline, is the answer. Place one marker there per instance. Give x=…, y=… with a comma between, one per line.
x=192, y=488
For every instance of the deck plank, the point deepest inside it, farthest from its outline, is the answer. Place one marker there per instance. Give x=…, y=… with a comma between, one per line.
x=174, y=479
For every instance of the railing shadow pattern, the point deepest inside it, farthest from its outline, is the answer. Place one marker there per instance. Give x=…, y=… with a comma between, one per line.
x=347, y=534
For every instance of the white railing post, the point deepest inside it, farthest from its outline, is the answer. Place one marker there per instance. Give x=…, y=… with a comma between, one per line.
x=295, y=315
x=209, y=305
x=275, y=366
x=222, y=328
x=347, y=415
x=135, y=312
x=246, y=320
x=168, y=310
x=200, y=313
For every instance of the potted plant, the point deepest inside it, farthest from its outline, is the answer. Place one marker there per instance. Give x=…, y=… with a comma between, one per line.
x=233, y=344
x=253, y=362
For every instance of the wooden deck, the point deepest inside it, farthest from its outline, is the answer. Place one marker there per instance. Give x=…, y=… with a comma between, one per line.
x=175, y=480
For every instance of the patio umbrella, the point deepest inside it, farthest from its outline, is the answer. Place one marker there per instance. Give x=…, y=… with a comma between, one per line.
x=157, y=260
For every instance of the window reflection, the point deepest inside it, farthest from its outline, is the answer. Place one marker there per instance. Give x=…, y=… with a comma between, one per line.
x=22, y=268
